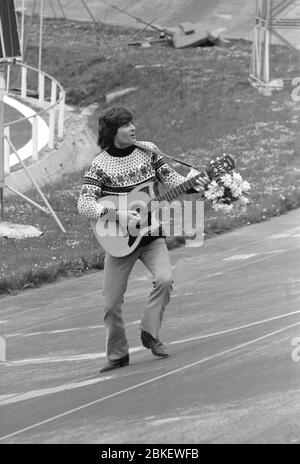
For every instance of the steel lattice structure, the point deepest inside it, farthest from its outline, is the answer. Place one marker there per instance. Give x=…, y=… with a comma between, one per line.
x=271, y=18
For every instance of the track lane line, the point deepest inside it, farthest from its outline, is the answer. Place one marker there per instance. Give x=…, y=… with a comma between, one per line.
x=147, y=382
x=81, y=357
x=172, y=296
x=174, y=252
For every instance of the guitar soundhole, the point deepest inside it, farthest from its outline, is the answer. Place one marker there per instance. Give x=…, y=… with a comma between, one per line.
x=131, y=240
x=138, y=210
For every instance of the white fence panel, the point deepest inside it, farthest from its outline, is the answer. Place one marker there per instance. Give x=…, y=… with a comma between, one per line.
x=53, y=111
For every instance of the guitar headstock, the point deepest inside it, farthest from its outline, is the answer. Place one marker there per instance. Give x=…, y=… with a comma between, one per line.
x=220, y=166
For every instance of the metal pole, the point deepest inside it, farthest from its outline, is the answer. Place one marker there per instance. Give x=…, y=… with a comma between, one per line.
x=95, y=22
x=26, y=36
x=142, y=30
x=41, y=34
x=2, y=203
x=21, y=195
x=139, y=20
x=88, y=10
x=61, y=9
x=37, y=187
x=2, y=173
x=52, y=8
x=22, y=28
x=61, y=115
x=267, y=45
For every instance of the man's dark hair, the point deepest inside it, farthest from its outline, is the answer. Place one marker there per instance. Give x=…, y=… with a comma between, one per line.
x=110, y=122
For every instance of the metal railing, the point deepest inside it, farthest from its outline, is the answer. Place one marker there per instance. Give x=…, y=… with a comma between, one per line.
x=50, y=96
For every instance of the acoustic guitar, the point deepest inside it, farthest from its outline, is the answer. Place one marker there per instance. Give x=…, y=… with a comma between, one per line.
x=122, y=239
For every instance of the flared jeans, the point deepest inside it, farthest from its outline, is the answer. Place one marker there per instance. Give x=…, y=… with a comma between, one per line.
x=155, y=256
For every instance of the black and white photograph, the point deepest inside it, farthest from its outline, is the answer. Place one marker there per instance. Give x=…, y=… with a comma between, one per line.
x=149, y=225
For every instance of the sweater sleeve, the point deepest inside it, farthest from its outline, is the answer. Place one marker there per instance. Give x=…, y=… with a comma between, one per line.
x=163, y=171
x=91, y=192
x=165, y=174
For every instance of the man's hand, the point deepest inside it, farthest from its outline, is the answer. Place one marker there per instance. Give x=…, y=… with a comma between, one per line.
x=202, y=182
x=126, y=216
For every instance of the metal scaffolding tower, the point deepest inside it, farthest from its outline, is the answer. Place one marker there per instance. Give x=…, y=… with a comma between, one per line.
x=270, y=19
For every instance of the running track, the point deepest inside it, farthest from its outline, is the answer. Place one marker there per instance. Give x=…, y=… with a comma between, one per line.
x=232, y=328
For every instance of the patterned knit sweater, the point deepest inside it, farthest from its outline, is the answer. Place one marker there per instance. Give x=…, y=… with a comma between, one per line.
x=120, y=172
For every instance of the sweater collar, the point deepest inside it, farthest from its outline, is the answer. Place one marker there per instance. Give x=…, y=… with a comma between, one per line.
x=120, y=152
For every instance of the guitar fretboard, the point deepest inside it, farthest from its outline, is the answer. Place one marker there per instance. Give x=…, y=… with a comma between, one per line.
x=175, y=192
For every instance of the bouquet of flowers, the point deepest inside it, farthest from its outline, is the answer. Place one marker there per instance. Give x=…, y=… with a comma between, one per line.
x=227, y=192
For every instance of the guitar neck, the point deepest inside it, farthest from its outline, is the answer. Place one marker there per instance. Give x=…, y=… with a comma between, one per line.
x=217, y=167
x=175, y=192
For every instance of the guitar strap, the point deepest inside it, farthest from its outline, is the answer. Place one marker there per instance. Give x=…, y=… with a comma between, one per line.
x=149, y=150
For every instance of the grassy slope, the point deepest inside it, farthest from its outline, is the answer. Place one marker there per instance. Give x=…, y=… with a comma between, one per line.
x=194, y=103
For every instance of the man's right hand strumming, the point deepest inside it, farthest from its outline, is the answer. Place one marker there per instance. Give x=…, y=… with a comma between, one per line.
x=126, y=216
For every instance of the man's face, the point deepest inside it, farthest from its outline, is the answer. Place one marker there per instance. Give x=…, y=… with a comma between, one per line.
x=125, y=135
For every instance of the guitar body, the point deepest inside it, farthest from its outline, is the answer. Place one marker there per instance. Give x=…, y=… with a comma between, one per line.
x=120, y=240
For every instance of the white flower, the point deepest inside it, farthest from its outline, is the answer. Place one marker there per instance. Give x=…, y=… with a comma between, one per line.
x=214, y=191
x=244, y=200
x=227, y=180
x=236, y=191
x=245, y=186
x=237, y=177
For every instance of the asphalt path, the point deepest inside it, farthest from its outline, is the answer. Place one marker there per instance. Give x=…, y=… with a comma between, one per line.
x=233, y=332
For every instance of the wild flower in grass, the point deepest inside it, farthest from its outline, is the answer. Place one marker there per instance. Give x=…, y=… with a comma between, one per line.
x=72, y=243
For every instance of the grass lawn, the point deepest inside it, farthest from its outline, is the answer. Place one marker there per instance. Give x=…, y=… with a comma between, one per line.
x=195, y=104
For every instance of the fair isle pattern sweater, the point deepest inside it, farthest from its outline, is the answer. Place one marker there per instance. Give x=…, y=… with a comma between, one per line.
x=111, y=174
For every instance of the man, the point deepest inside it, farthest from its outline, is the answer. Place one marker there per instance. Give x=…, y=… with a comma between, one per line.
x=118, y=169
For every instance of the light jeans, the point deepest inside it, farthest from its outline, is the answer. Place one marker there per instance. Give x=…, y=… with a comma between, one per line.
x=155, y=256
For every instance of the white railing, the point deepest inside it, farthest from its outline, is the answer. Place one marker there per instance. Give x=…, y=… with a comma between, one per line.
x=50, y=97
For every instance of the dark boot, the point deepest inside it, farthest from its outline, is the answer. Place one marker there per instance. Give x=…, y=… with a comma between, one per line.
x=156, y=346
x=115, y=363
